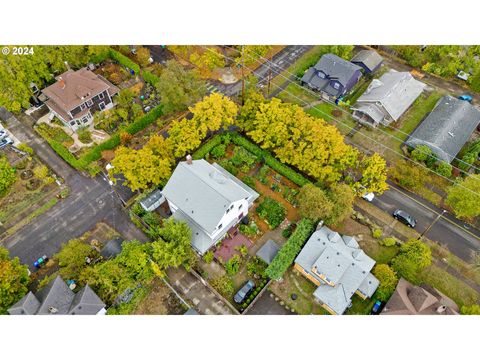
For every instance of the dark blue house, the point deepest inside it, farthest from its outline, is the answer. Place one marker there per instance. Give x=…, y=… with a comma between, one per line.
x=332, y=76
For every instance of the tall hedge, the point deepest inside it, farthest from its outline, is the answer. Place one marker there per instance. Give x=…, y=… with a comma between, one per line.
x=150, y=78
x=124, y=60
x=270, y=160
x=290, y=250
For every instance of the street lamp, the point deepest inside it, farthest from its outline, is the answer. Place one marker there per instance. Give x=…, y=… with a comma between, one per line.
x=431, y=225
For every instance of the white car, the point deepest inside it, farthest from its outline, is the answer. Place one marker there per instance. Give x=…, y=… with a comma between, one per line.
x=368, y=196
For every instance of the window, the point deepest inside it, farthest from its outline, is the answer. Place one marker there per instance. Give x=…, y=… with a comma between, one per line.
x=89, y=103
x=82, y=106
x=101, y=105
x=240, y=206
x=321, y=75
x=101, y=96
x=85, y=119
x=228, y=210
x=72, y=122
x=220, y=226
x=336, y=85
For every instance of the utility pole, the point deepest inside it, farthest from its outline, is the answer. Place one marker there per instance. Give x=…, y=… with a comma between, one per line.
x=431, y=225
x=243, y=80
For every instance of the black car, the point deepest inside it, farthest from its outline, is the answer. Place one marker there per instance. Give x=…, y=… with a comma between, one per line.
x=242, y=294
x=405, y=218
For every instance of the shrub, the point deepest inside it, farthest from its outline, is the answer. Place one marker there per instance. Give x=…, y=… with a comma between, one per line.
x=388, y=281
x=7, y=176
x=218, y=151
x=249, y=181
x=290, y=250
x=125, y=61
x=272, y=211
x=444, y=169
x=288, y=231
x=242, y=249
x=84, y=135
x=377, y=233
x=389, y=241
x=243, y=159
x=414, y=256
x=208, y=257
x=205, y=149
x=256, y=266
x=470, y=310
x=233, y=265
x=125, y=138
x=249, y=230
x=409, y=176
x=150, y=78
x=24, y=147
x=227, y=165
x=224, y=285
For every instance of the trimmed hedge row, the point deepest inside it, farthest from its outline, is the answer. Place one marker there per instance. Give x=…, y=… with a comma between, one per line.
x=290, y=250
x=205, y=149
x=150, y=78
x=125, y=61
x=270, y=160
x=96, y=152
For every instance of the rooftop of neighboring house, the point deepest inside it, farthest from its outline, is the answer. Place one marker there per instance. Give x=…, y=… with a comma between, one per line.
x=73, y=88
x=447, y=128
x=154, y=198
x=341, y=267
x=395, y=91
x=409, y=299
x=369, y=58
x=203, y=192
x=334, y=67
x=56, y=298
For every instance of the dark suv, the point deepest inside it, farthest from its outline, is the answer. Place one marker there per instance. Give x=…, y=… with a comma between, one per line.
x=404, y=217
x=242, y=294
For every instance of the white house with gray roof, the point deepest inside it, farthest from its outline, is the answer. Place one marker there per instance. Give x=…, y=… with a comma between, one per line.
x=209, y=199
x=387, y=98
x=447, y=128
x=339, y=267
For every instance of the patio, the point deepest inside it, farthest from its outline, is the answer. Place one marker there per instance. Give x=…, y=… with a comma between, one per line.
x=229, y=245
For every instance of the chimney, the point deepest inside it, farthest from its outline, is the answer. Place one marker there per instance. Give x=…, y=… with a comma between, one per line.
x=61, y=82
x=68, y=66
x=189, y=159
x=441, y=309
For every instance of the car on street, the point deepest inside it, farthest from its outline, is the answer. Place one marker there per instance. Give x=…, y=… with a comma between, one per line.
x=405, y=218
x=466, y=97
x=5, y=141
x=368, y=196
x=3, y=133
x=242, y=294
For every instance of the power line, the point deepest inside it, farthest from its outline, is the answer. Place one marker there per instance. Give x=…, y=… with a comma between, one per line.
x=383, y=145
x=349, y=114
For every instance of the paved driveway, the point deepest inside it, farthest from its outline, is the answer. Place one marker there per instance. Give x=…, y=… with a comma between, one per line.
x=200, y=296
x=90, y=201
x=266, y=305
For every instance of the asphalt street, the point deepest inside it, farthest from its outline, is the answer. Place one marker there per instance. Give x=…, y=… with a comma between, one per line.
x=461, y=240
x=90, y=201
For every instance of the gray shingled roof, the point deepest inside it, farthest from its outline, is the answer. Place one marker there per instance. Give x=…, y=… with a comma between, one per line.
x=342, y=262
x=394, y=92
x=369, y=58
x=447, y=128
x=268, y=251
x=152, y=198
x=86, y=302
x=112, y=248
x=56, y=298
x=335, y=68
x=28, y=305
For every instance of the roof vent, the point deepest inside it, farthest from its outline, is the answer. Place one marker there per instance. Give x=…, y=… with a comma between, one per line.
x=52, y=310
x=451, y=134
x=441, y=309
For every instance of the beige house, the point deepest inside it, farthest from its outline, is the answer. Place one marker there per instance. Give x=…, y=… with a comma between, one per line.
x=76, y=95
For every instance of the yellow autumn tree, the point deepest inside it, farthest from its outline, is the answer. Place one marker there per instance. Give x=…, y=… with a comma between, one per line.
x=374, y=173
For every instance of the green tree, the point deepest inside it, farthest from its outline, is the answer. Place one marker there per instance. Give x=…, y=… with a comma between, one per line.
x=444, y=169
x=342, y=197
x=464, y=197
x=143, y=56
x=313, y=203
x=233, y=265
x=413, y=257
x=71, y=258
x=374, y=174
x=388, y=281
x=407, y=175
x=179, y=88
x=14, y=280
x=7, y=176
x=470, y=310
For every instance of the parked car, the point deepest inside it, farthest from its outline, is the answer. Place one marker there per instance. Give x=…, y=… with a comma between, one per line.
x=405, y=218
x=368, y=196
x=5, y=141
x=3, y=133
x=242, y=294
x=466, y=97
x=377, y=308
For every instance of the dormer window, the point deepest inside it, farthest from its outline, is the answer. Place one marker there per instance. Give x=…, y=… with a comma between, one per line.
x=228, y=210
x=336, y=85
x=240, y=206
x=321, y=75
x=82, y=106
x=89, y=103
x=101, y=96
x=220, y=226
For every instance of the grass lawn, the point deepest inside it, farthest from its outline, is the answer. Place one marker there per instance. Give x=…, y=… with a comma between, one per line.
x=294, y=283
x=55, y=133
x=296, y=94
x=448, y=284
x=381, y=254
x=360, y=306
